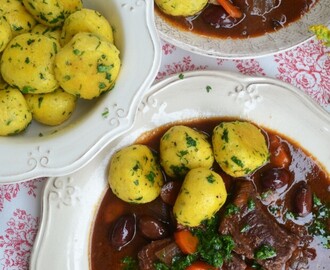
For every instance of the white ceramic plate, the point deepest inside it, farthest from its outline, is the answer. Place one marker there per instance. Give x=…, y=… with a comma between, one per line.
x=54, y=151
x=70, y=203
x=283, y=39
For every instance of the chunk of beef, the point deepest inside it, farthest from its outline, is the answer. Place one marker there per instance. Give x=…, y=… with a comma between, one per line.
x=236, y=263
x=160, y=250
x=253, y=227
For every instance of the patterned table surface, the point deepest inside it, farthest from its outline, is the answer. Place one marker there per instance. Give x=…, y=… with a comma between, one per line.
x=307, y=67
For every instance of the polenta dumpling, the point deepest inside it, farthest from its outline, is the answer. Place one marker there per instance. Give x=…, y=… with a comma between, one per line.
x=202, y=194
x=51, y=108
x=15, y=115
x=86, y=20
x=183, y=148
x=51, y=32
x=181, y=7
x=87, y=66
x=5, y=33
x=18, y=17
x=28, y=63
x=134, y=175
x=239, y=147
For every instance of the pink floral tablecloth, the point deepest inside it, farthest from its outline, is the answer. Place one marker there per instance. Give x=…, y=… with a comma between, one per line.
x=307, y=67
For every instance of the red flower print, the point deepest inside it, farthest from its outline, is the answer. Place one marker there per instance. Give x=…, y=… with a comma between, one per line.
x=249, y=67
x=168, y=48
x=17, y=240
x=178, y=67
x=10, y=191
x=308, y=68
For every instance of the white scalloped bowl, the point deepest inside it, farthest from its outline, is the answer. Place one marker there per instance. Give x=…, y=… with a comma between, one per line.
x=288, y=37
x=53, y=151
x=70, y=203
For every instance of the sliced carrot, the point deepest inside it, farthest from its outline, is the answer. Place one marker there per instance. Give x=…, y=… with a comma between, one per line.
x=232, y=10
x=186, y=241
x=200, y=266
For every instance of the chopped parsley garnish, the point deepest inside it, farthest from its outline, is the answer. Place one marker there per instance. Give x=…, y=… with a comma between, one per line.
x=179, y=170
x=231, y=209
x=129, y=263
x=265, y=252
x=151, y=177
x=190, y=141
x=251, y=204
x=208, y=88
x=213, y=248
x=101, y=68
x=225, y=135
x=321, y=217
x=210, y=178
x=105, y=113
x=237, y=161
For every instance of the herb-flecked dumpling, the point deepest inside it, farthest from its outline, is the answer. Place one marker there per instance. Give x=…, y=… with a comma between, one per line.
x=134, y=174
x=15, y=115
x=87, y=66
x=19, y=19
x=239, y=147
x=51, y=108
x=202, y=194
x=28, y=63
x=181, y=7
x=51, y=12
x=183, y=148
x=86, y=20
x=5, y=33
x=51, y=32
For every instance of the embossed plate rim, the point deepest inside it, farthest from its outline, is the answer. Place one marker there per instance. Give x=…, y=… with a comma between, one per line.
x=70, y=203
x=64, y=149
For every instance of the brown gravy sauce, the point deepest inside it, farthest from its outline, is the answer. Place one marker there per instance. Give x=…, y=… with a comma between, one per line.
x=303, y=167
x=213, y=20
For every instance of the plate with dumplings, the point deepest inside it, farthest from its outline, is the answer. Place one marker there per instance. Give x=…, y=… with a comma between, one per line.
x=239, y=28
x=69, y=80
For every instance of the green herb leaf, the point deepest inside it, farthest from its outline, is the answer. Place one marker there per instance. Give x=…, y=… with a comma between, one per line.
x=265, y=252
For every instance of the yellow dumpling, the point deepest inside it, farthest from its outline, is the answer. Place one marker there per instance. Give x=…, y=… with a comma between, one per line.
x=51, y=108
x=51, y=12
x=86, y=20
x=71, y=6
x=20, y=20
x=47, y=12
x=183, y=148
x=15, y=115
x=134, y=175
x=3, y=84
x=87, y=66
x=5, y=33
x=28, y=63
x=239, y=147
x=51, y=32
x=202, y=194
x=181, y=7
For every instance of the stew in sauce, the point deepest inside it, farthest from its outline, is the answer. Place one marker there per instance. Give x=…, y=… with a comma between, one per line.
x=285, y=204
x=214, y=21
